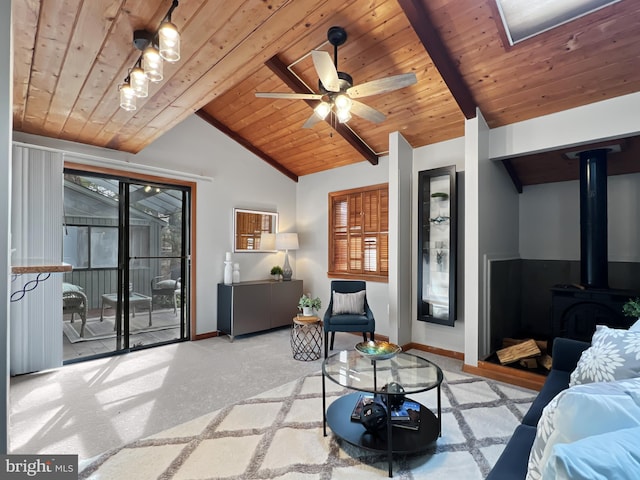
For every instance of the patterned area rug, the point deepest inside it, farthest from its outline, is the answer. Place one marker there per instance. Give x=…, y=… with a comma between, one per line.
x=279, y=435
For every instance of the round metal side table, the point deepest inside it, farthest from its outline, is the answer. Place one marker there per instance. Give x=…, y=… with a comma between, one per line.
x=306, y=338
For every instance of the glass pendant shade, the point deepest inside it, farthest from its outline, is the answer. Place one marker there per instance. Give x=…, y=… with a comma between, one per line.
x=343, y=116
x=169, y=40
x=152, y=63
x=139, y=82
x=343, y=102
x=322, y=110
x=127, y=97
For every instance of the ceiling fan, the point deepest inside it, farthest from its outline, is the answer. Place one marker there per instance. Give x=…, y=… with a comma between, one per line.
x=337, y=92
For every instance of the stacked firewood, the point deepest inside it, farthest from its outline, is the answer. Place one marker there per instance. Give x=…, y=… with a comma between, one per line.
x=528, y=353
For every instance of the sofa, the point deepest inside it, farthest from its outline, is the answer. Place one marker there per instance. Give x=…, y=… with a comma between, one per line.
x=512, y=464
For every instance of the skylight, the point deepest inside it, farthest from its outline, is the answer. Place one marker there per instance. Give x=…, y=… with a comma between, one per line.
x=524, y=19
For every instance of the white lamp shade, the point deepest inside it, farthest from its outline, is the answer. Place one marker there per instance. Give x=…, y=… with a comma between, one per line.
x=152, y=62
x=267, y=241
x=286, y=241
x=169, y=40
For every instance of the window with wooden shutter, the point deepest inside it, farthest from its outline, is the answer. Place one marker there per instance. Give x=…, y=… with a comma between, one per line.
x=359, y=232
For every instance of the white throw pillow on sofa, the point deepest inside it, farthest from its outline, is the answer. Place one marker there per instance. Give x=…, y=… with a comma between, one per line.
x=614, y=354
x=580, y=412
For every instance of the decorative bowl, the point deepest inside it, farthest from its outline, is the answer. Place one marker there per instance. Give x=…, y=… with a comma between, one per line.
x=378, y=349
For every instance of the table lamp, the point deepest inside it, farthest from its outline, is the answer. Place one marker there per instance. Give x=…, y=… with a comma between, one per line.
x=267, y=241
x=286, y=242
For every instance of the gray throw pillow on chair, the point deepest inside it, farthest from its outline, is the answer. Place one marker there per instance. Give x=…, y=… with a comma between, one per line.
x=345, y=303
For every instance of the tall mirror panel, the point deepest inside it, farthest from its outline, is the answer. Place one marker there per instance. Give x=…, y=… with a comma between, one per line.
x=437, y=246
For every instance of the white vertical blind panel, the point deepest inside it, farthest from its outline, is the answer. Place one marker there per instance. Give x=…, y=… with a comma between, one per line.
x=36, y=233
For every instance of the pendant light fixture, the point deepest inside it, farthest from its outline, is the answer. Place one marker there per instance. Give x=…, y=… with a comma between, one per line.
x=127, y=96
x=155, y=47
x=169, y=39
x=152, y=62
x=139, y=81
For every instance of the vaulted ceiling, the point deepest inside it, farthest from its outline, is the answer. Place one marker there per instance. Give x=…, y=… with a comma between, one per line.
x=71, y=55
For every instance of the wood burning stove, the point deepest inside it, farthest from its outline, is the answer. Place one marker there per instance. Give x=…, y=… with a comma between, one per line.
x=577, y=309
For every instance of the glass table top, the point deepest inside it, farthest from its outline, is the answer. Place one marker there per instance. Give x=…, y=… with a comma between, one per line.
x=352, y=370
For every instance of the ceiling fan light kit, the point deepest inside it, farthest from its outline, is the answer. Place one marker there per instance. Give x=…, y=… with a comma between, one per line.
x=163, y=45
x=322, y=110
x=337, y=90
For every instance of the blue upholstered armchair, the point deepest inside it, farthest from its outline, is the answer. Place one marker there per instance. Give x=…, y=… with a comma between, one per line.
x=348, y=311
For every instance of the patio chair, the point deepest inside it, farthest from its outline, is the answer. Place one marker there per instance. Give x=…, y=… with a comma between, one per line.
x=166, y=287
x=74, y=301
x=348, y=311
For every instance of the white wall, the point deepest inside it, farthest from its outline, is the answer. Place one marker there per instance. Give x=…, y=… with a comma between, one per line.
x=313, y=222
x=240, y=179
x=498, y=228
x=550, y=220
x=426, y=158
x=614, y=118
x=400, y=239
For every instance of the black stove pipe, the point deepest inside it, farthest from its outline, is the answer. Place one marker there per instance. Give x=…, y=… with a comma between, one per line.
x=594, y=263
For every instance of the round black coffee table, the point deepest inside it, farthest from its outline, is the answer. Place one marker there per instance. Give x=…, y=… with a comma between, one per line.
x=363, y=375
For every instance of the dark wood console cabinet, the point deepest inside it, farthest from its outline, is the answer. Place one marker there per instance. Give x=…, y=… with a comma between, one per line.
x=249, y=307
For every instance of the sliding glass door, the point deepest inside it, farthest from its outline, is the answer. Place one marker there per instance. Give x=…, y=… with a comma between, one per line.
x=129, y=245
x=157, y=255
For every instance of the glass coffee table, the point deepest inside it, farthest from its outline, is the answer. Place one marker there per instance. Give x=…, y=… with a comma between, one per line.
x=350, y=369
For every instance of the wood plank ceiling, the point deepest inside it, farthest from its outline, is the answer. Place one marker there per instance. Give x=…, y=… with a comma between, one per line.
x=71, y=55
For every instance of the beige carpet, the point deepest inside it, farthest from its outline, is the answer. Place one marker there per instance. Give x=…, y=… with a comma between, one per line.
x=100, y=330
x=278, y=434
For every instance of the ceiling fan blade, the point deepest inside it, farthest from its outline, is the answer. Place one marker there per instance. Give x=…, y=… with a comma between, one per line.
x=311, y=121
x=382, y=85
x=326, y=70
x=290, y=96
x=367, y=112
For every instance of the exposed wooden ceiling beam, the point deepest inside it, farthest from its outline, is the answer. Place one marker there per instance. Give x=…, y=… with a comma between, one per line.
x=419, y=18
x=280, y=69
x=515, y=178
x=256, y=151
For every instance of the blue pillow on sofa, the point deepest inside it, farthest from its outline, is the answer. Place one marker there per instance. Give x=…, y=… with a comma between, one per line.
x=608, y=456
x=583, y=411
